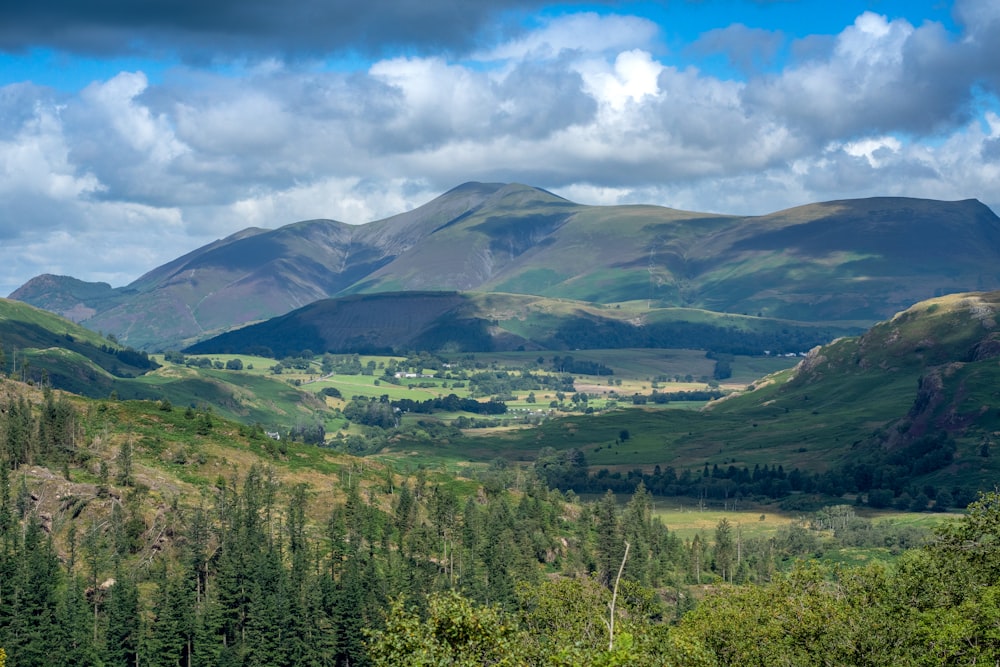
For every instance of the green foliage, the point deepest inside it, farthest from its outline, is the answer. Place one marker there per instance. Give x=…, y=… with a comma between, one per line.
x=251, y=572
x=559, y=624
x=453, y=633
x=938, y=606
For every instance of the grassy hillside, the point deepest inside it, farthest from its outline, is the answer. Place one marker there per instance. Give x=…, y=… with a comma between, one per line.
x=914, y=400
x=846, y=262
x=34, y=342
x=911, y=401
x=135, y=533
x=48, y=350
x=466, y=322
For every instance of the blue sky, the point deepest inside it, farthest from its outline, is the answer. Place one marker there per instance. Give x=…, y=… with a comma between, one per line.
x=131, y=133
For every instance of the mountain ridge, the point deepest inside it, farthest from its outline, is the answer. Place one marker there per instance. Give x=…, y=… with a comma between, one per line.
x=845, y=260
x=398, y=322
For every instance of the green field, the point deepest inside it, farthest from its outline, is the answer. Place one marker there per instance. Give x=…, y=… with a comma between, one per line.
x=686, y=521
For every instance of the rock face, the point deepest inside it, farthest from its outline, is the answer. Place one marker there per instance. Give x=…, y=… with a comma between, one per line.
x=858, y=260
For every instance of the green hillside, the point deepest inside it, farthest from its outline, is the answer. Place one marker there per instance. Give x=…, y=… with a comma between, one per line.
x=844, y=262
x=911, y=402
x=48, y=350
x=136, y=533
x=142, y=531
x=34, y=341
x=469, y=322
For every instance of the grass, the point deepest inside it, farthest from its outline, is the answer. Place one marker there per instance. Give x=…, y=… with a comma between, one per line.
x=922, y=520
x=856, y=389
x=634, y=364
x=687, y=521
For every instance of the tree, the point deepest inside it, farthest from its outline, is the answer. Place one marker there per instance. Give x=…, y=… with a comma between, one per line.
x=791, y=622
x=455, y=632
x=124, y=476
x=725, y=549
x=609, y=545
x=637, y=532
x=35, y=598
x=943, y=500
x=123, y=633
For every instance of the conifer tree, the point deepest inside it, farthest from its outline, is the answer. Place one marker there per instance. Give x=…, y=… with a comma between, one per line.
x=123, y=632
x=609, y=544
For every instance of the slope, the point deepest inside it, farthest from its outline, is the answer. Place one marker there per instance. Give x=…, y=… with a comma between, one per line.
x=845, y=261
x=476, y=322
x=36, y=343
x=913, y=401
x=251, y=275
x=46, y=350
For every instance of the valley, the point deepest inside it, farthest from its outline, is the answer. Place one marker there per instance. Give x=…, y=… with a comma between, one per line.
x=406, y=450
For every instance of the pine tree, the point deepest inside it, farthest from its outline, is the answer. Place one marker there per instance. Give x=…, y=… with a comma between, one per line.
x=122, y=637
x=169, y=636
x=725, y=550
x=267, y=611
x=124, y=476
x=610, y=545
x=75, y=643
x=637, y=531
x=32, y=632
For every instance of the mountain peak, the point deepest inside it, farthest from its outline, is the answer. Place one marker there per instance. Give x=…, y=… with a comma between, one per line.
x=518, y=194
x=853, y=260
x=474, y=187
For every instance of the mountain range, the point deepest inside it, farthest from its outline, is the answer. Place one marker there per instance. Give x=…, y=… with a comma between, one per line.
x=848, y=263
x=914, y=398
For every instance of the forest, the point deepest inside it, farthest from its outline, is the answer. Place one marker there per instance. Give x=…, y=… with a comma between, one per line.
x=421, y=570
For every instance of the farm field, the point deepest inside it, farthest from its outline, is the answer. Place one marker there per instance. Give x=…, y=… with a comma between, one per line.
x=634, y=372
x=686, y=521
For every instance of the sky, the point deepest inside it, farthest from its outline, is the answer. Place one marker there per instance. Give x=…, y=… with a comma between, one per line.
x=134, y=132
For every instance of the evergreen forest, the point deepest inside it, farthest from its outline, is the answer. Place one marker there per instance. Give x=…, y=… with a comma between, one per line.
x=426, y=569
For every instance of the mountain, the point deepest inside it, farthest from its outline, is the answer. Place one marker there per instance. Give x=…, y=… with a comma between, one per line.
x=912, y=402
x=936, y=361
x=851, y=260
x=38, y=345
x=398, y=322
x=914, y=397
x=46, y=350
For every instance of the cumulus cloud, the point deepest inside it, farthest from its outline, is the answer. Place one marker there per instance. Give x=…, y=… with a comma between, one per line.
x=38, y=181
x=142, y=169
x=748, y=49
x=587, y=32
x=881, y=76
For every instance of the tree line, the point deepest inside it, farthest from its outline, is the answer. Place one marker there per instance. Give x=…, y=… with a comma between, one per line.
x=409, y=570
x=879, y=479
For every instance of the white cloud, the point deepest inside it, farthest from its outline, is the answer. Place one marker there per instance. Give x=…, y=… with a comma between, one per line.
x=251, y=122
x=439, y=100
x=632, y=77
x=881, y=75
x=875, y=149
x=142, y=171
x=131, y=122
x=35, y=160
x=586, y=32
x=979, y=17
x=347, y=200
